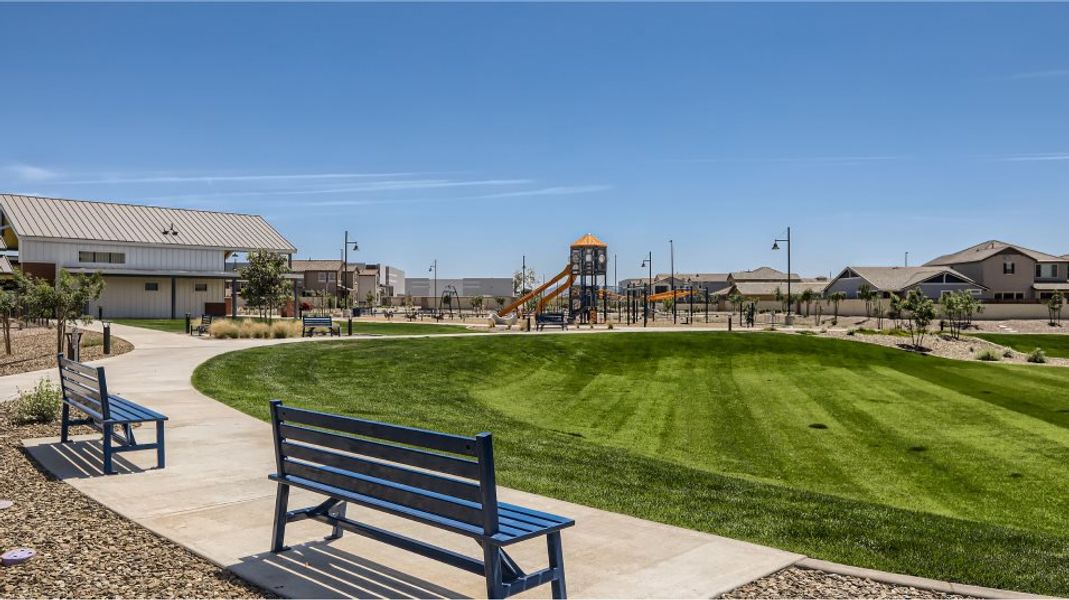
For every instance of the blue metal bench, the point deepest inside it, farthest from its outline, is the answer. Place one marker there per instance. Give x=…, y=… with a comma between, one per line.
x=205, y=323
x=552, y=319
x=86, y=389
x=452, y=487
x=310, y=325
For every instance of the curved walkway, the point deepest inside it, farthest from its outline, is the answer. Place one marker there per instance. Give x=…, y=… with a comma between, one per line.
x=215, y=499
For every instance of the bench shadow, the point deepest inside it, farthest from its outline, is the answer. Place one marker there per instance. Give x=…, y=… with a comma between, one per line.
x=78, y=459
x=317, y=570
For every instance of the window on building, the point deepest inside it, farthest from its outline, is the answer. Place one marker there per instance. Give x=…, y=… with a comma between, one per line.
x=1009, y=295
x=1009, y=267
x=322, y=278
x=332, y=277
x=152, y=286
x=200, y=287
x=86, y=256
x=1046, y=271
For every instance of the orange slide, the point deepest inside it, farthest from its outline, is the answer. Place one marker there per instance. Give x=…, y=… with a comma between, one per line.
x=567, y=272
x=669, y=294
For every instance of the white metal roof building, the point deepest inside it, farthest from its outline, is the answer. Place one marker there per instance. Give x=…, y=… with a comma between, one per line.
x=157, y=262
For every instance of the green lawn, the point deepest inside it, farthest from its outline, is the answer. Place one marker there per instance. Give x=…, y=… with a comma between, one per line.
x=168, y=325
x=843, y=451
x=359, y=327
x=1052, y=344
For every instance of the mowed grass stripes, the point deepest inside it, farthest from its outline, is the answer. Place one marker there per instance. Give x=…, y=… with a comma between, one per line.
x=839, y=450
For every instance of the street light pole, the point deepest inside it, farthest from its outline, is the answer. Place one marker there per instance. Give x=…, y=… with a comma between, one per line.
x=775, y=246
x=672, y=260
x=434, y=267
x=345, y=266
x=647, y=262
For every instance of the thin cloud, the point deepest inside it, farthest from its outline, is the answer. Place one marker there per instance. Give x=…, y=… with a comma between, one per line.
x=226, y=178
x=1035, y=157
x=378, y=186
x=1048, y=74
x=815, y=160
x=30, y=172
x=548, y=191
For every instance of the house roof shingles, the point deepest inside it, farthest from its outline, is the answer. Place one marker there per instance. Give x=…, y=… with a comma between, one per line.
x=55, y=218
x=893, y=279
x=768, y=288
x=763, y=274
x=988, y=249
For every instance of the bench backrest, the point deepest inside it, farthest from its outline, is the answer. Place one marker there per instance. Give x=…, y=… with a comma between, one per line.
x=84, y=387
x=317, y=321
x=453, y=475
x=206, y=320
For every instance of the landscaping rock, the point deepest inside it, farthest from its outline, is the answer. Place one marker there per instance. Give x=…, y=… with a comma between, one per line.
x=85, y=550
x=794, y=582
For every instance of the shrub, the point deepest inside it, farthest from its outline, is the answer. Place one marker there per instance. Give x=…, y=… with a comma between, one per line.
x=1037, y=356
x=988, y=355
x=223, y=329
x=38, y=405
x=285, y=329
x=1007, y=353
x=254, y=329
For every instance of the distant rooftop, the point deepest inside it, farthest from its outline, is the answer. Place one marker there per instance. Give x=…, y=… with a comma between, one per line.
x=988, y=249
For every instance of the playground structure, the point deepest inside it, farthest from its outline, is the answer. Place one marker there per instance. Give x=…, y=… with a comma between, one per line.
x=588, y=259
x=672, y=294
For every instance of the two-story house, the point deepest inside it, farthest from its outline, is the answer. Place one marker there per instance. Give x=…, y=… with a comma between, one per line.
x=335, y=278
x=156, y=262
x=1008, y=272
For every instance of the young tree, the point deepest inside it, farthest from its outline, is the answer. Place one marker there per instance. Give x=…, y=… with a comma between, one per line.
x=738, y=302
x=878, y=312
x=807, y=299
x=265, y=281
x=500, y=301
x=522, y=282
x=370, y=297
x=477, y=303
x=9, y=306
x=64, y=301
x=781, y=299
x=895, y=310
x=836, y=298
x=1054, y=309
x=864, y=292
x=920, y=310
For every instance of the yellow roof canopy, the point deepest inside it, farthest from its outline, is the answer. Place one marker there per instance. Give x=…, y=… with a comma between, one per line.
x=589, y=241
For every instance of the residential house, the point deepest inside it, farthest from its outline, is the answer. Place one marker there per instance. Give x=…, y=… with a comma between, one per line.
x=762, y=283
x=933, y=281
x=157, y=262
x=1008, y=272
x=335, y=278
x=466, y=287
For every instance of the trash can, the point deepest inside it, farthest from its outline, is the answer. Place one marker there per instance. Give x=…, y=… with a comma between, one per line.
x=357, y=311
x=74, y=345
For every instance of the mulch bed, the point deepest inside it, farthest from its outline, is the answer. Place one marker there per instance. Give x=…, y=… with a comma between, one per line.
x=794, y=582
x=85, y=550
x=34, y=349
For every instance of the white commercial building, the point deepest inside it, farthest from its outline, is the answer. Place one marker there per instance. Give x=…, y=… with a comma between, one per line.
x=156, y=262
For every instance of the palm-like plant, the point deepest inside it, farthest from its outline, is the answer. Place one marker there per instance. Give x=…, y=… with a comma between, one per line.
x=836, y=298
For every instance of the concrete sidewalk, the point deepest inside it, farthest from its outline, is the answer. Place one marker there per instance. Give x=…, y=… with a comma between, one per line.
x=214, y=498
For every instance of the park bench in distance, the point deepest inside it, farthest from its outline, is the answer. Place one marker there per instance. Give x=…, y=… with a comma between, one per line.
x=553, y=319
x=452, y=487
x=85, y=388
x=309, y=325
x=205, y=323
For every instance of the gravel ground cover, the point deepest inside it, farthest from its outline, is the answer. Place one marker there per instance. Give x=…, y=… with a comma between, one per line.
x=85, y=550
x=35, y=348
x=794, y=582
x=966, y=348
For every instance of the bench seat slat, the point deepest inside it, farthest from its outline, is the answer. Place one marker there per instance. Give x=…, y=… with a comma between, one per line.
x=394, y=493
x=399, y=454
x=78, y=367
x=443, y=442
x=122, y=410
x=465, y=490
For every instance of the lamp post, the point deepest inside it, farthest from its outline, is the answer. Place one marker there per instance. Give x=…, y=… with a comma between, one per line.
x=672, y=261
x=434, y=267
x=647, y=262
x=775, y=246
x=346, y=280
x=907, y=258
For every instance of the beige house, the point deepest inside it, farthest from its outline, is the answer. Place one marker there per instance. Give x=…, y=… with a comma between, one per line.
x=933, y=281
x=1008, y=272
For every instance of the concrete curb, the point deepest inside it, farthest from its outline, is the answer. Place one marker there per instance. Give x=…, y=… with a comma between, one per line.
x=911, y=581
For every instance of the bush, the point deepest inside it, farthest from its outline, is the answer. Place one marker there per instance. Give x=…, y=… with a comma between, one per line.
x=1007, y=353
x=253, y=329
x=39, y=405
x=988, y=355
x=223, y=329
x=1037, y=356
x=285, y=329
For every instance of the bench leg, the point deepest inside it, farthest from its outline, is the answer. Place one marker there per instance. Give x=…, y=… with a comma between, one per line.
x=278, y=532
x=128, y=433
x=159, y=445
x=556, y=561
x=492, y=567
x=64, y=425
x=337, y=512
x=108, y=470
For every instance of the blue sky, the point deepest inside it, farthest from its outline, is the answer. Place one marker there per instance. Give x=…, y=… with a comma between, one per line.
x=474, y=134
